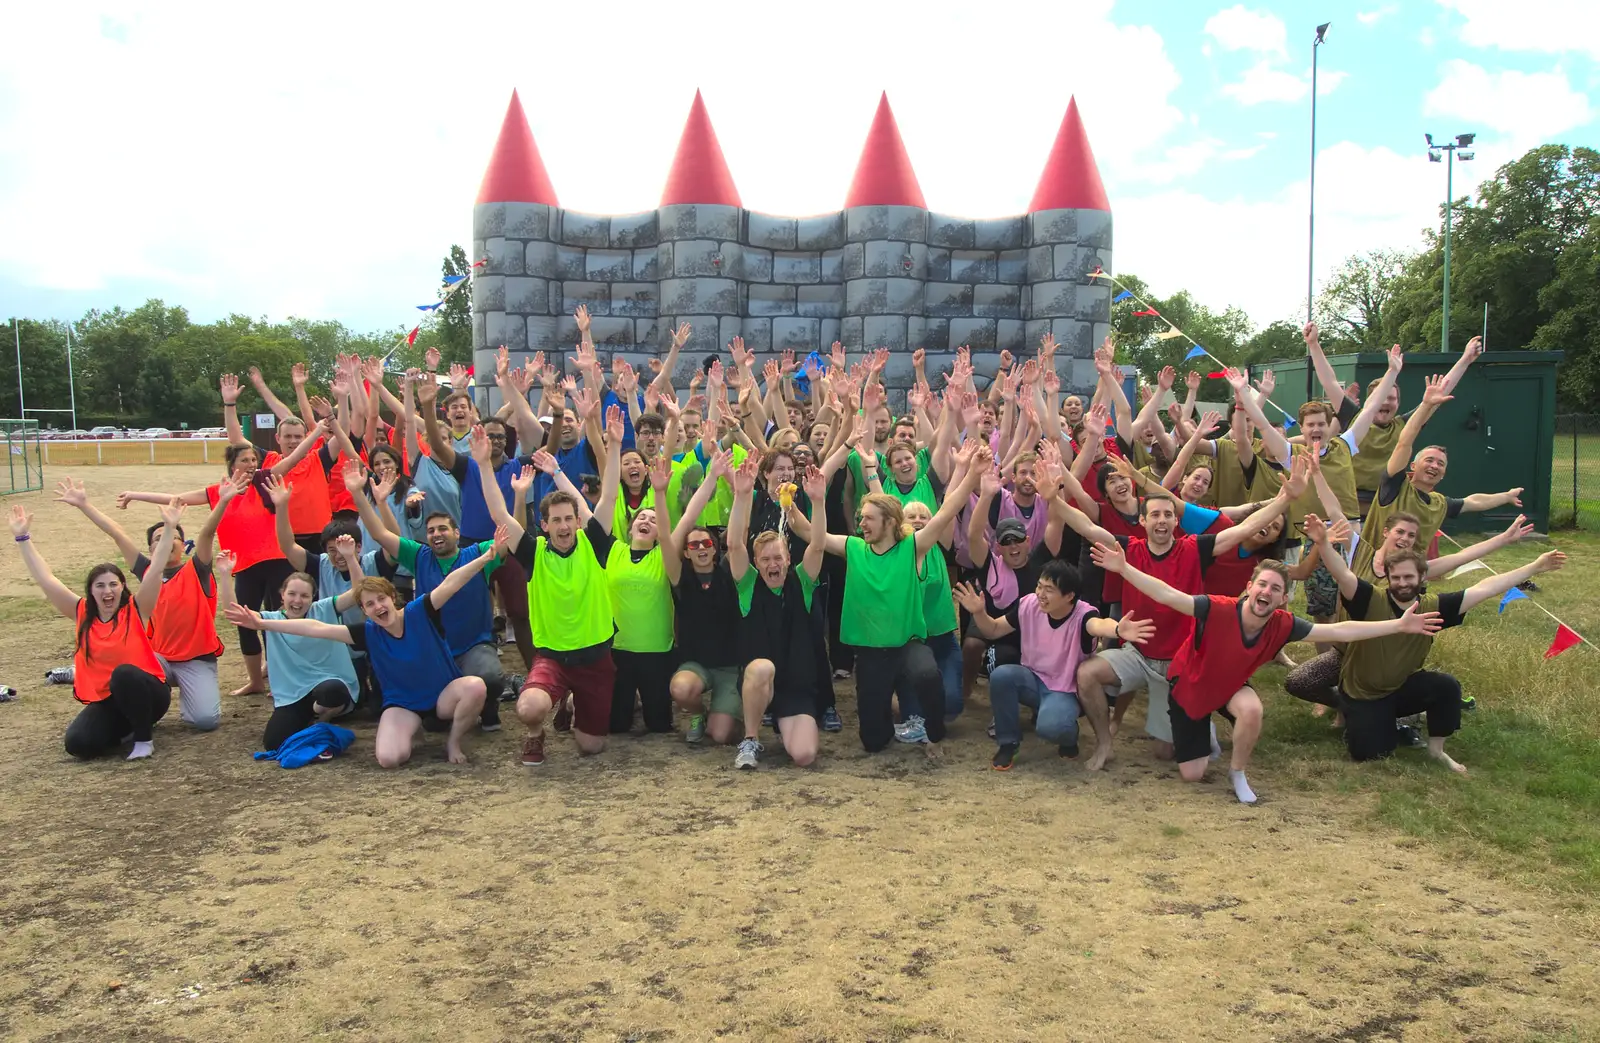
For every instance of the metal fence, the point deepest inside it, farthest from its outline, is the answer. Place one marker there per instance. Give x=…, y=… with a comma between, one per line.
x=24, y=466
x=69, y=453
x=1575, y=472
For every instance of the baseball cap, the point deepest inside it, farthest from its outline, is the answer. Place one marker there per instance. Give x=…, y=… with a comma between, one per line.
x=1010, y=530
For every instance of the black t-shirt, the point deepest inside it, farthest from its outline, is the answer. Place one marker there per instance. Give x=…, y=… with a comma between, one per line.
x=1202, y=611
x=358, y=631
x=202, y=570
x=599, y=539
x=1449, y=604
x=707, y=616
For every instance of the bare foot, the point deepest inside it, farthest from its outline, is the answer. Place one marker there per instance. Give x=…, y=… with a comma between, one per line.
x=250, y=688
x=1102, y=757
x=1318, y=710
x=454, y=754
x=1284, y=660
x=933, y=751
x=1115, y=724
x=1444, y=758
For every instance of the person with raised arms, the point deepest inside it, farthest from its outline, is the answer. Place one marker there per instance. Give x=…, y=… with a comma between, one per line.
x=469, y=616
x=1180, y=562
x=410, y=655
x=1229, y=639
x=183, y=628
x=1382, y=681
x=570, y=605
x=883, y=602
x=116, y=673
x=312, y=679
x=1057, y=631
x=708, y=610
x=780, y=628
x=248, y=531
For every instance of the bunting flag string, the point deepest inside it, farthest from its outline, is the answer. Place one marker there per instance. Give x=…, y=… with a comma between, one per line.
x=1471, y=566
x=1565, y=637
x=1172, y=332
x=411, y=338
x=430, y=307
x=452, y=283
x=1147, y=313
x=451, y=280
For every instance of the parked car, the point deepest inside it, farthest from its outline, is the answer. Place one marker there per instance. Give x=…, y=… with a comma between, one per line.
x=105, y=432
x=211, y=432
x=155, y=432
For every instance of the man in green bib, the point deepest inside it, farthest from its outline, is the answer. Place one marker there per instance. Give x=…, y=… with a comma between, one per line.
x=570, y=606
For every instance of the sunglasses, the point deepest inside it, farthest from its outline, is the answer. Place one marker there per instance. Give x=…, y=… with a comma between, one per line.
x=701, y=544
x=1011, y=541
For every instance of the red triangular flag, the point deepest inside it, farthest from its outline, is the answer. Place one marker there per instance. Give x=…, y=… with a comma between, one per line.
x=411, y=338
x=480, y=264
x=1216, y=376
x=1145, y=313
x=1566, y=637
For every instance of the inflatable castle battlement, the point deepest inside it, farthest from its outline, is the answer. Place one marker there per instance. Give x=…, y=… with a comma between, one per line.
x=882, y=272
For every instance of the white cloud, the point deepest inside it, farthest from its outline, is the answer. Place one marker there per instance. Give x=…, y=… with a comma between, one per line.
x=1262, y=83
x=1328, y=82
x=1425, y=37
x=1240, y=29
x=1233, y=155
x=1529, y=108
x=1370, y=18
x=1252, y=251
x=1545, y=26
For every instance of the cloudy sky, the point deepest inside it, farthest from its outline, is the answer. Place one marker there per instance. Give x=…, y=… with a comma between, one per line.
x=317, y=160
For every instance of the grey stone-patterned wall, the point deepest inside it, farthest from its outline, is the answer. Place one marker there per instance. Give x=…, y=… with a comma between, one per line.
x=874, y=276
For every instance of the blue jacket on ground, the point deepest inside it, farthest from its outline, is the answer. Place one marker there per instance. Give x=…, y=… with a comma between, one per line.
x=303, y=746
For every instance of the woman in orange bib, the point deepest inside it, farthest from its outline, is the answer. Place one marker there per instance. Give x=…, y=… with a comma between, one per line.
x=118, y=678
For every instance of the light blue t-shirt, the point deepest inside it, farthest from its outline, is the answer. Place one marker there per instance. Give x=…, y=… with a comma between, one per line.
x=443, y=494
x=299, y=664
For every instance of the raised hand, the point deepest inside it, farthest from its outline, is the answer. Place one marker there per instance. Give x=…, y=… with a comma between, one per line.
x=786, y=363
x=1474, y=348
x=680, y=336
x=371, y=370
x=1514, y=496
x=1517, y=531
x=21, y=521
x=1006, y=360
x=1414, y=622
x=614, y=429
x=1137, y=631
x=172, y=511
x=1436, y=393
x=70, y=492
x=1094, y=422
x=1047, y=345
x=355, y=478
x=230, y=389
x=1396, y=359
x=744, y=479
x=1192, y=380
x=431, y=359
x=1341, y=531
x=1299, y=476
x=1268, y=383
x=243, y=616
x=1166, y=378
x=522, y=481
x=223, y=561
x=1550, y=561
x=460, y=379
x=1209, y=420
x=1109, y=557
x=1237, y=380
x=660, y=474
x=1310, y=334
x=741, y=357
x=988, y=484
x=383, y=488
x=321, y=407
x=478, y=445
x=505, y=544
x=581, y=317
x=1315, y=528
x=1051, y=380
x=346, y=546
x=233, y=486
x=968, y=597
x=544, y=462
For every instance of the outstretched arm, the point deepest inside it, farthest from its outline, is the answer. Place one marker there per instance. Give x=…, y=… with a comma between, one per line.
x=954, y=500
x=281, y=411
x=1332, y=560
x=611, y=476
x=1434, y=395
x=1495, y=586
x=1408, y=622
x=1489, y=501
x=463, y=574
x=70, y=491
x=1332, y=390
x=55, y=592
x=1232, y=536
x=1516, y=531
x=1473, y=349
x=1109, y=556
x=355, y=483
x=250, y=619
x=744, y=492
x=1363, y=421
x=230, y=410
x=149, y=589
x=1271, y=437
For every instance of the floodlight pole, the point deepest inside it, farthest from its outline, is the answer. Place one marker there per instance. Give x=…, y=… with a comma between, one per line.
x=1311, y=230
x=72, y=391
x=1449, y=199
x=16, y=328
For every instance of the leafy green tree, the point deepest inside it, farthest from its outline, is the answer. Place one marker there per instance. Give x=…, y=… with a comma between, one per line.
x=1572, y=300
x=1222, y=333
x=44, y=370
x=1353, y=309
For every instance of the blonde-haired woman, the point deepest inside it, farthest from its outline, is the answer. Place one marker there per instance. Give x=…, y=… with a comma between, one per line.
x=883, y=603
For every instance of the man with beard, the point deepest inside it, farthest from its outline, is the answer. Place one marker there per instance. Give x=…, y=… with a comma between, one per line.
x=1179, y=561
x=1384, y=681
x=1229, y=639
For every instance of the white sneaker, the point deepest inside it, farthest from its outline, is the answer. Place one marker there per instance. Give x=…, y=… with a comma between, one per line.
x=749, y=754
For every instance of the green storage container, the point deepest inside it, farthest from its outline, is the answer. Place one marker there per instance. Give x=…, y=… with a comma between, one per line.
x=1499, y=429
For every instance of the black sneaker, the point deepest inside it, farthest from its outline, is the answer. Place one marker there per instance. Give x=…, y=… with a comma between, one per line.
x=1405, y=735
x=512, y=688
x=1068, y=749
x=831, y=722
x=1005, y=756
x=1469, y=703
x=769, y=720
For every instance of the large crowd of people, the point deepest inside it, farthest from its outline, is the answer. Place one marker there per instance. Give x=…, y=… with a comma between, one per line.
x=716, y=558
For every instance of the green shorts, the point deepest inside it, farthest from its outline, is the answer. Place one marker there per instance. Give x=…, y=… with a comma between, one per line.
x=723, y=684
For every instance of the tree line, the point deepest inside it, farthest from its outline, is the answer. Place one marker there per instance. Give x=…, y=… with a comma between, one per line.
x=1528, y=246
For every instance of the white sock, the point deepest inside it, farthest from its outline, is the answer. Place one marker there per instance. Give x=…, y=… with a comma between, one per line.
x=142, y=750
x=1216, y=747
x=1241, y=788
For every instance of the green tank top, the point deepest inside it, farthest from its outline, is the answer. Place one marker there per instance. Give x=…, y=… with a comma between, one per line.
x=1429, y=508
x=719, y=506
x=882, y=595
x=938, y=605
x=641, y=600
x=1337, y=469
x=568, y=604
x=1372, y=463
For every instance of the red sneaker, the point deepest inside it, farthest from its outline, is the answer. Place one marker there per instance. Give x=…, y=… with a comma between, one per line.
x=563, y=721
x=533, y=751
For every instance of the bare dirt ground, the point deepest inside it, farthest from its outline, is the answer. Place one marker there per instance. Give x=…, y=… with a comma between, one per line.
x=653, y=893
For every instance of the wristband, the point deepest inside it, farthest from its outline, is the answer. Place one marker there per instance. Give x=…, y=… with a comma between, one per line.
x=23, y=538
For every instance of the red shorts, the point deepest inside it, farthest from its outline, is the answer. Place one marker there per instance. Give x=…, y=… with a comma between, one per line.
x=590, y=685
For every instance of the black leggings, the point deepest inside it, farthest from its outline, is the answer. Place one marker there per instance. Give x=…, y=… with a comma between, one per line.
x=137, y=701
x=650, y=675
x=286, y=720
x=843, y=656
x=910, y=669
x=1369, y=723
x=257, y=587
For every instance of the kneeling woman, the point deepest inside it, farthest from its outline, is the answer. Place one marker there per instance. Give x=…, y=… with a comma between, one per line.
x=311, y=680
x=409, y=654
x=116, y=674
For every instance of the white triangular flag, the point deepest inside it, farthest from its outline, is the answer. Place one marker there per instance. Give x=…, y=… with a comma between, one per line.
x=1468, y=567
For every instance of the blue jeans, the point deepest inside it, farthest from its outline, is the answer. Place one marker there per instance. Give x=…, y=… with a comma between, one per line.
x=1012, y=687
x=946, y=649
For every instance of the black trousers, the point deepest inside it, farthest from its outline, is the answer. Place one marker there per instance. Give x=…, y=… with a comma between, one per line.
x=841, y=655
x=257, y=587
x=137, y=701
x=286, y=720
x=1369, y=730
x=647, y=678
x=880, y=672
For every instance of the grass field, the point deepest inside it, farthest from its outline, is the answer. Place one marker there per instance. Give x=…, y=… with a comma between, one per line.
x=653, y=893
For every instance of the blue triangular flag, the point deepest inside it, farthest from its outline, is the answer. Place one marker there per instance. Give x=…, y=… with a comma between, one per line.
x=451, y=280
x=1194, y=352
x=1289, y=422
x=1511, y=595
x=429, y=307
x=1124, y=295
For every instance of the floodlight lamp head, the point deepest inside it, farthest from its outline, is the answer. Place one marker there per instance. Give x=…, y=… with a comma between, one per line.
x=1466, y=140
x=1463, y=157
x=1430, y=139
x=1435, y=157
x=1322, y=33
